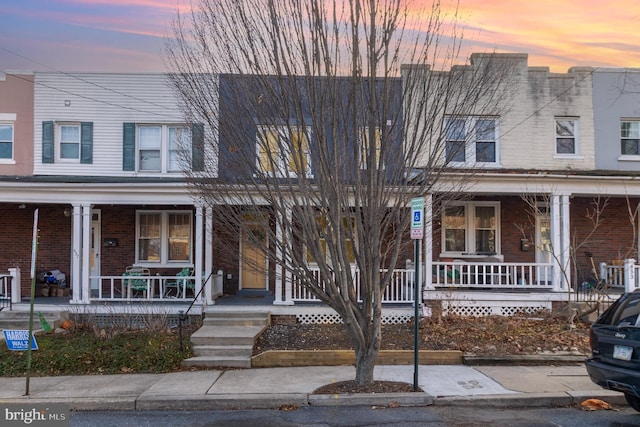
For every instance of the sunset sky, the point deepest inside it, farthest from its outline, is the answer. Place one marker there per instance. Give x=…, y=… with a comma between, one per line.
x=127, y=35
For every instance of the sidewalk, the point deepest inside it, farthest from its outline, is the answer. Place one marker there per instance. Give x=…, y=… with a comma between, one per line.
x=495, y=386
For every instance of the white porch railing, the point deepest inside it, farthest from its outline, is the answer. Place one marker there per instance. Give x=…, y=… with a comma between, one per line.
x=152, y=288
x=400, y=289
x=500, y=275
x=613, y=275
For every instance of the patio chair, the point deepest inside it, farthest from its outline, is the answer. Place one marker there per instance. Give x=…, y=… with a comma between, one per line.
x=181, y=284
x=134, y=286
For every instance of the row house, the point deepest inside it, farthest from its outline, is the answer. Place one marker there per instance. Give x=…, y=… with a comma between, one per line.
x=105, y=158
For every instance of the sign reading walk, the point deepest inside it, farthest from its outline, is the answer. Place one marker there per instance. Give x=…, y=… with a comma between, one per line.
x=18, y=340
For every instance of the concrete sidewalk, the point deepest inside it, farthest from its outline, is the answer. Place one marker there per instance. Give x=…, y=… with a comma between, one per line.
x=497, y=386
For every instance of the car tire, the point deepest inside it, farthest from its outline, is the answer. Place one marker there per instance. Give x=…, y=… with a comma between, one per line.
x=633, y=401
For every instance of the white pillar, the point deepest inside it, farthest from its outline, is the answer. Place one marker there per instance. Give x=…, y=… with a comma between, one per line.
x=199, y=242
x=565, y=218
x=86, y=254
x=283, y=255
x=76, y=255
x=212, y=289
x=556, y=242
x=630, y=275
x=428, y=243
x=16, y=291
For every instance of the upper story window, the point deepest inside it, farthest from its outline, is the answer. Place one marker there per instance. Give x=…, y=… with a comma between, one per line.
x=67, y=142
x=161, y=148
x=163, y=237
x=6, y=141
x=149, y=147
x=471, y=141
x=630, y=137
x=566, y=136
x=471, y=228
x=366, y=146
x=283, y=151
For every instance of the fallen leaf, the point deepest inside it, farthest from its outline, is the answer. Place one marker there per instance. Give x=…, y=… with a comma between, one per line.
x=596, y=405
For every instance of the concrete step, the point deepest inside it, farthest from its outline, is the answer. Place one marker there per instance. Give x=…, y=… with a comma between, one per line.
x=224, y=350
x=236, y=314
x=211, y=362
x=20, y=319
x=232, y=335
x=235, y=321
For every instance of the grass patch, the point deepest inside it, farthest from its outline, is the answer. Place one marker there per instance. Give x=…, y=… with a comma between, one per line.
x=85, y=351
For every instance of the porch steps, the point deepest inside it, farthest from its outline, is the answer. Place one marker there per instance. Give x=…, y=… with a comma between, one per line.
x=20, y=319
x=226, y=339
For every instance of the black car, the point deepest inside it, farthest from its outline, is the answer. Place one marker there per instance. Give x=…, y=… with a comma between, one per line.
x=615, y=348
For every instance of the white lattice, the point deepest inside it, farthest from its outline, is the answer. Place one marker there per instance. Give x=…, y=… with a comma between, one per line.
x=515, y=311
x=387, y=318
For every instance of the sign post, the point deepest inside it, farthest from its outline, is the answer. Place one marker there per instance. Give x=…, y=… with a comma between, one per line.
x=417, y=234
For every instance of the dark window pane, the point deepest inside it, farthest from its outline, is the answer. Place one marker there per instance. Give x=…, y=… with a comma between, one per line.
x=485, y=152
x=455, y=151
x=630, y=146
x=566, y=146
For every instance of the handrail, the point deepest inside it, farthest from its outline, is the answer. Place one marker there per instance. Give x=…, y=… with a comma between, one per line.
x=186, y=313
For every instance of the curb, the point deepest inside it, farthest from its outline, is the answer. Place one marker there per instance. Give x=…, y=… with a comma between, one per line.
x=372, y=399
x=525, y=359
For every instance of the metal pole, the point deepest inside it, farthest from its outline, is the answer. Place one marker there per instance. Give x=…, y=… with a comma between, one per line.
x=180, y=317
x=416, y=329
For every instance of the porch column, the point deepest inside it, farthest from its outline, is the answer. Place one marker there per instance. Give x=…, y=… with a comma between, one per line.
x=566, y=240
x=428, y=243
x=86, y=253
x=283, y=251
x=630, y=284
x=208, y=257
x=76, y=255
x=197, y=267
x=558, y=266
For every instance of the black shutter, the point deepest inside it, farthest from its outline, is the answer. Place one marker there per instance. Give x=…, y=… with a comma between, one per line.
x=197, y=147
x=86, y=142
x=47, y=142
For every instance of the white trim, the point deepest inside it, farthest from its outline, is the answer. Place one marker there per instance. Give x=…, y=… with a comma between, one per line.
x=469, y=216
x=8, y=117
x=164, y=240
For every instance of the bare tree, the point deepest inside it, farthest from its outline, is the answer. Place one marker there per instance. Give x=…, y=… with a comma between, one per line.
x=316, y=131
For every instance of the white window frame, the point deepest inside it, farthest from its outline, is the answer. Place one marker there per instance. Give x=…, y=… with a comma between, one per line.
x=470, y=141
x=167, y=151
x=164, y=259
x=282, y=167
x=9, y=120
x=575, y=136
x=624, y=156
x=323, y=242
x=470, y=229
x=59, y=142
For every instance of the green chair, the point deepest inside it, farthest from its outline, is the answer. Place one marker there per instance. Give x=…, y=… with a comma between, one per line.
x=183, y=282
x=134, y=286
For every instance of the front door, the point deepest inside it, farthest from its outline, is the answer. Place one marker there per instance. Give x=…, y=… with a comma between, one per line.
x=94, y=251
x=253, y=274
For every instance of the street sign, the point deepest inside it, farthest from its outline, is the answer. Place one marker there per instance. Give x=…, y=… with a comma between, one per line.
x=417, y=218
x=18, y=340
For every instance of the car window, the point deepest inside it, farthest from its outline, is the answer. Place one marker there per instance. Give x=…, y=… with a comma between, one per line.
x=626, y=313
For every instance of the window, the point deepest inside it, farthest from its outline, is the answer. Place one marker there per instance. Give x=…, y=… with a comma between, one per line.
x=566, y=136
x=471, y=229
x=348, y=225
x=283, y=151
x=69, y=138
x=162, y=148
x=630, y=137
x=67, y=142
x=6, y=140
x=163, y=237
x=471, y=140
x=365, y=146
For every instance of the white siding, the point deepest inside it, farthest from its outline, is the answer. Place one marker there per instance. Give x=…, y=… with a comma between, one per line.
x=107, y=100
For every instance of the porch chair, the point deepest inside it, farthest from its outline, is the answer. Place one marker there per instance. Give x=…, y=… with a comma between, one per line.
x=137, y=285
x=181, y=284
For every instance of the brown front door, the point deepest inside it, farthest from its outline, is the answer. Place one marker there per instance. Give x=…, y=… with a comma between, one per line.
x=254, y=259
